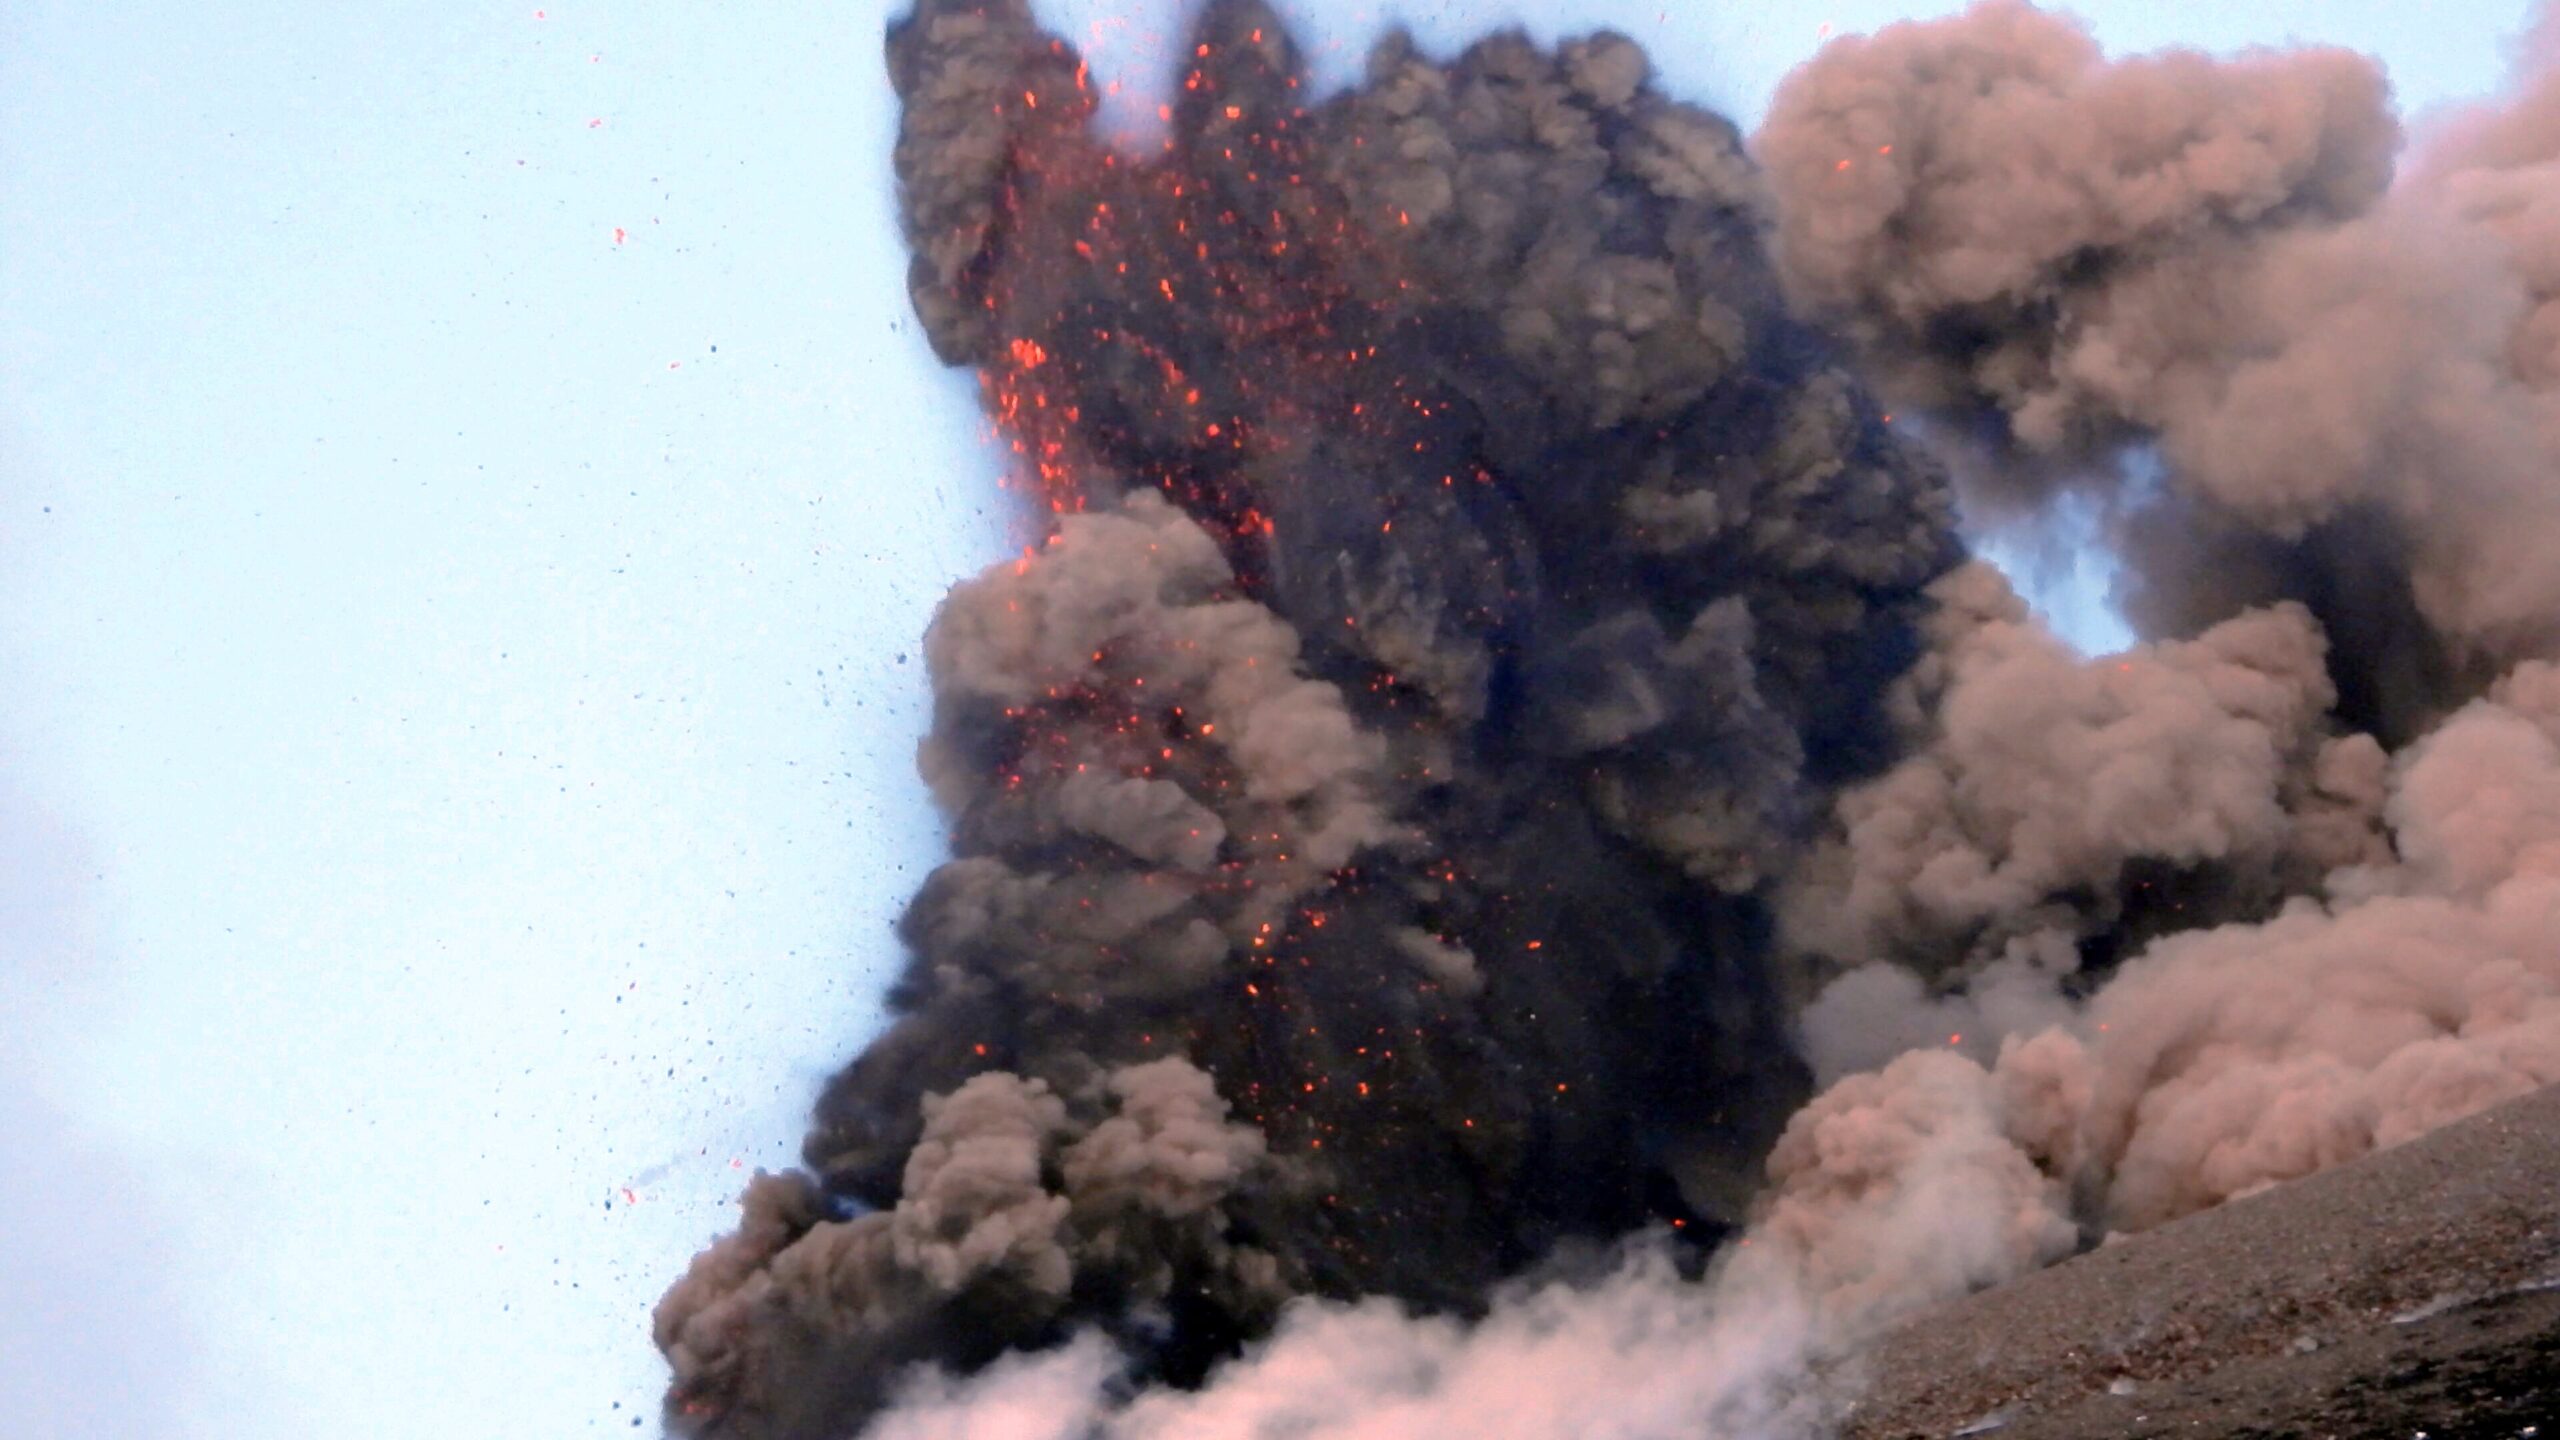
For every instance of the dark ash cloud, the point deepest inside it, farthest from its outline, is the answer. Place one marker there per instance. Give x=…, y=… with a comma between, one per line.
x=1496, y=713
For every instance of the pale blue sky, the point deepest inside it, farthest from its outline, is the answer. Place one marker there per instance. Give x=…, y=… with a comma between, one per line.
x=454, y=743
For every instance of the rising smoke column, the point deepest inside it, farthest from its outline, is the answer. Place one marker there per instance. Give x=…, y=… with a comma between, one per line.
x=1494, y=715
x=1465, y=586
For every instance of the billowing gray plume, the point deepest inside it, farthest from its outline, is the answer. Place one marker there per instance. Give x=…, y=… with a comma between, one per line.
x=2347, y=384
x=1496, y=713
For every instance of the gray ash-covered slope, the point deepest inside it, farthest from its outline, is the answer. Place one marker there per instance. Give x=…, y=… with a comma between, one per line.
x=1467, y=587
x=2415, y=1291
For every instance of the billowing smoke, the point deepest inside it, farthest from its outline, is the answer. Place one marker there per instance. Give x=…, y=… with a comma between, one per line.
x=2321, y=402
x=1497, y=712
x=2347, y=384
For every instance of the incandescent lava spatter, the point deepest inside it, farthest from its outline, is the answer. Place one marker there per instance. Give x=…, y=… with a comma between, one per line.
x=1463, y=589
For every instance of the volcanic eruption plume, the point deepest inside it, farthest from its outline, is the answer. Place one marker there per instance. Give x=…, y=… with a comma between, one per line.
x=1495, y=713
